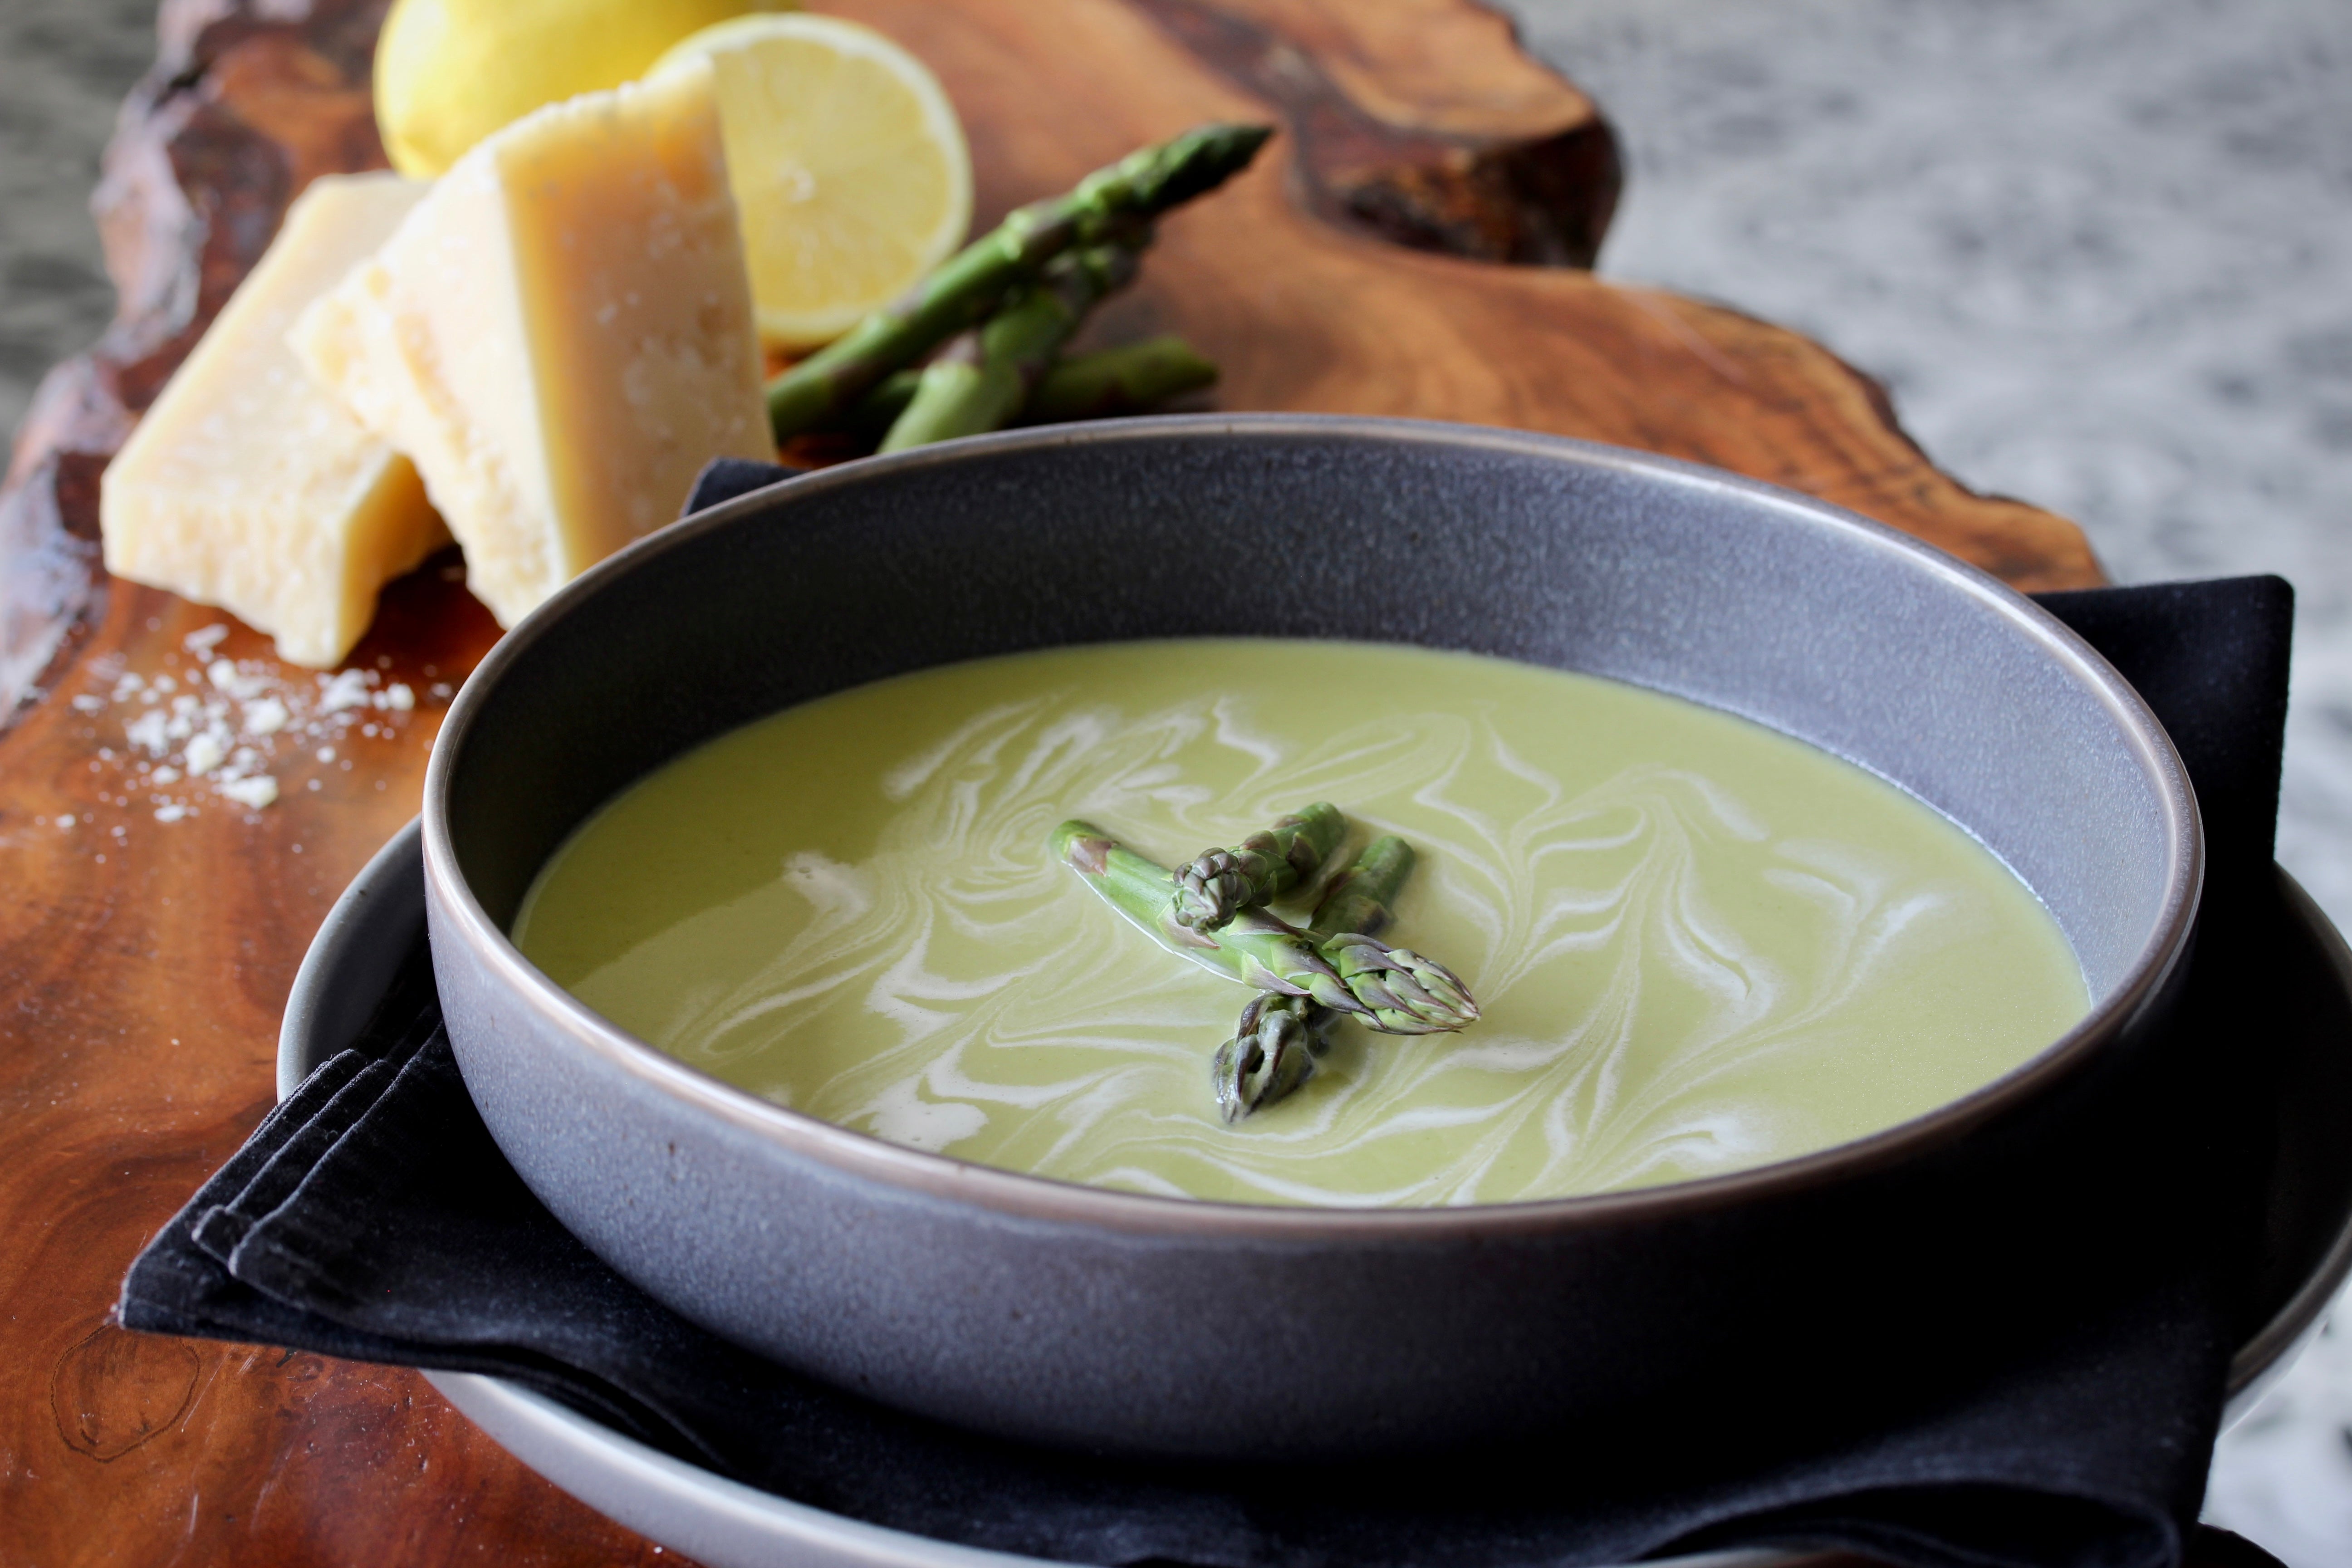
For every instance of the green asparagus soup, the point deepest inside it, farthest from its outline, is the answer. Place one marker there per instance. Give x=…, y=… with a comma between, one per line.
x=1698, y=944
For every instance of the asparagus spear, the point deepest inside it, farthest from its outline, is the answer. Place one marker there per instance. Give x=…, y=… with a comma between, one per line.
x=1106, y=205
x=1363, y=896
x=985, y=375
x=1104, y=385
x=1276, y=1044
x=1118, y=381
x=1401, y=993
x=1218, y=884
x=1140, y=888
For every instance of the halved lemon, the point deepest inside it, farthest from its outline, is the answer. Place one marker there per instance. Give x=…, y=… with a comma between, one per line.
x=847, y=161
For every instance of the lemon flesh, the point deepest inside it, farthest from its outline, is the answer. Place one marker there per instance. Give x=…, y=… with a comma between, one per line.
x=851, y=177
x=449, y=72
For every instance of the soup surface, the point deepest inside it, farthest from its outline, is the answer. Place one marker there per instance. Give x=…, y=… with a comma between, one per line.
x=1700, y=945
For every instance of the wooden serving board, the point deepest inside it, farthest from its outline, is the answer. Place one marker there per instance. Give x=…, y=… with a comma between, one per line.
x=1410, y=247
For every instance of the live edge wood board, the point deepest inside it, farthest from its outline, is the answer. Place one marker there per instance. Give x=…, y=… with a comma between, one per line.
x=1414, y=246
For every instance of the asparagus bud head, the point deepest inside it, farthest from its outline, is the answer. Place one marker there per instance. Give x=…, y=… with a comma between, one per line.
x=1151, y=180
x=1274, y=1050
x=1403, y=993
x=1218, y=884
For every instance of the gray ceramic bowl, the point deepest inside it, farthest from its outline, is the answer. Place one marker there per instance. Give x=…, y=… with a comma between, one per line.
x=1067, y=1314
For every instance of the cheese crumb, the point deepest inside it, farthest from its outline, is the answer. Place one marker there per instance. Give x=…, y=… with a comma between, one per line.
x=67, y=820
x=150, y=731
x=348, y=689
x=230, y=746
x=203, y=640
x=256, y=792
x=235, y=682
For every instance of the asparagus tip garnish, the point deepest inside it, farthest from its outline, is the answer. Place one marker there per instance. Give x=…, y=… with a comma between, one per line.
x=1405, y=993
x=1280, y=1038
x=1309, y=977
x=1137, y=887
x=1274, y=1050
x=1218, y=884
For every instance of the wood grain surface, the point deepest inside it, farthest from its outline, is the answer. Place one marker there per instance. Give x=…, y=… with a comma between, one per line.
x=143, y=963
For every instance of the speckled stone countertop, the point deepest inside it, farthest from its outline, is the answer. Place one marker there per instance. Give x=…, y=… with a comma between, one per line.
x=2102, y=255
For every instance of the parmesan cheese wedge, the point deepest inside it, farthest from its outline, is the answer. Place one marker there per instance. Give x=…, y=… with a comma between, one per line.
x=560, y=336
x=247, y=487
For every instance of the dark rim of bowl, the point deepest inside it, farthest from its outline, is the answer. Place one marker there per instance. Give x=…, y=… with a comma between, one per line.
x=859, y=1154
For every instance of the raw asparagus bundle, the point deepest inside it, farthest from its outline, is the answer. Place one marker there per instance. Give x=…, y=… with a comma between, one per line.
x=1392, y=990
x=983, y=377
x=1105, y=384
x=1280, y=1039
x=1109, y=206
x=1218, y=884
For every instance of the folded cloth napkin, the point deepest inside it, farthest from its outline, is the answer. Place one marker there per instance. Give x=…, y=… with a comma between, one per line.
x=724, y=479
x=371, y=1217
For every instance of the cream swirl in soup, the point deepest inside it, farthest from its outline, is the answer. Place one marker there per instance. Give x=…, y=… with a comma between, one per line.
x=1699, y=945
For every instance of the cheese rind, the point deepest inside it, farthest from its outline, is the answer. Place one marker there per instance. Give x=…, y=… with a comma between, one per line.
x=247, y=487
x=560, y=336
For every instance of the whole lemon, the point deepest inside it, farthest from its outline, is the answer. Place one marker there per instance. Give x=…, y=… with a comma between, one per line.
x=449, y=72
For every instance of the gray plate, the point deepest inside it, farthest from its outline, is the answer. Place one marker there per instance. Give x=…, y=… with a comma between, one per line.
x=724, y=1524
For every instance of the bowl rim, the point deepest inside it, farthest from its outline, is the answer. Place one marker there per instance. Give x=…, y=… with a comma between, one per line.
x=847, y=1152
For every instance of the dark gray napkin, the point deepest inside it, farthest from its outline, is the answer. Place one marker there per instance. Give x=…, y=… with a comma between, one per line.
x=371, y=1217
x=724, y=479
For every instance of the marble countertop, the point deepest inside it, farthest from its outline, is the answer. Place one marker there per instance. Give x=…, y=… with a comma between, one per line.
x=2100, y=255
